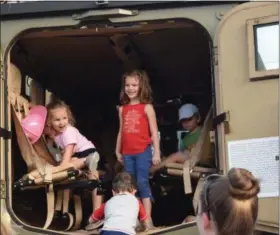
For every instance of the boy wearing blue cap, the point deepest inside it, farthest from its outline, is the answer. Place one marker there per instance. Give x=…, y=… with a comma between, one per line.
x=189, y=118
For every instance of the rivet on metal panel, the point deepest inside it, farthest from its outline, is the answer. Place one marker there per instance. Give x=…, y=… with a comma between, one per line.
x=3, y=189
x=212, y=136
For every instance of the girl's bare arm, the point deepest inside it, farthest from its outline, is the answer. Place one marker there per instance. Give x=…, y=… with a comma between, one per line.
x=154, y=131
x=118, y=144
x=67, y=154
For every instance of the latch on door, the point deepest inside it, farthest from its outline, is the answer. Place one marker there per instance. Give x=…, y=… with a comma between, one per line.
x=4, y=133
x=222, y=118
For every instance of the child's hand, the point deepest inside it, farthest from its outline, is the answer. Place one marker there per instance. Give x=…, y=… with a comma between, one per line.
x=119, y=158
x=156, y=158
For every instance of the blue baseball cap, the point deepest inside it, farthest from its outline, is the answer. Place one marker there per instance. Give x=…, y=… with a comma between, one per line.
x=187, y=111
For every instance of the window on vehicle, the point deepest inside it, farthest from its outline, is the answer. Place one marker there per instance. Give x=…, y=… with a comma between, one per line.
x=263, y=44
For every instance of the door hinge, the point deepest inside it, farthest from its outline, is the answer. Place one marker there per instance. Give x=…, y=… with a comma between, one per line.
x=4, y=133
x=222, y=118
x=101, y=2
x=3, y=189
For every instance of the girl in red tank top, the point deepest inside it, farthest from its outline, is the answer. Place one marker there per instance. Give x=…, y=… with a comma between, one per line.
x=138, y=130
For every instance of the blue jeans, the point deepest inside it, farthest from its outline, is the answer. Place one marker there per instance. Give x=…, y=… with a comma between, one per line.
x=138, y=165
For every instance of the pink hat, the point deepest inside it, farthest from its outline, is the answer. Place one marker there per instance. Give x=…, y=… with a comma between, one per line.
x=34, y=123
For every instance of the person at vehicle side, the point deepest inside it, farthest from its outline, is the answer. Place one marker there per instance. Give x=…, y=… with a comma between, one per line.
x=228, y=205
x=122, y=210
x=137, y=131
x=76, y=148
x=190, y=120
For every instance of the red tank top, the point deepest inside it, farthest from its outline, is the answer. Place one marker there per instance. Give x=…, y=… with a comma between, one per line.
x=135, y=135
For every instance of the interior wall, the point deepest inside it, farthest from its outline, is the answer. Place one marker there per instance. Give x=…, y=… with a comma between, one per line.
x=85, y=71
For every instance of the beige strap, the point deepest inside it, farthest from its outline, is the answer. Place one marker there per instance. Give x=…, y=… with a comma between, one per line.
x=56, y=177
x=174, y=165
x=204, y=169
x=65, y=208
x=175, y=172
x=66, y=199
x=50, y=205
x=187, y=178
x=48, y=173
x=23, y=142
x=196, y=196
x=196, y=152
x=59, y=197
x=78, y=212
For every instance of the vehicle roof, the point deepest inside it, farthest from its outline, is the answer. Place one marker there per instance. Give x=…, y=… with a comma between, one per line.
x=35, y=8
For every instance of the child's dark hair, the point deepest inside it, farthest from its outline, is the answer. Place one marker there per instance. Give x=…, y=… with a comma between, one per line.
x=54, y=104
x=145, y=91
x=123, y=182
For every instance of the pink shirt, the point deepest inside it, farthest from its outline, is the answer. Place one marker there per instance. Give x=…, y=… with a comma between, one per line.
x=71, y=135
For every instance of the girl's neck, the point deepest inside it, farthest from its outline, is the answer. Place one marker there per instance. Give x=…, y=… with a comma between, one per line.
x=134, y=101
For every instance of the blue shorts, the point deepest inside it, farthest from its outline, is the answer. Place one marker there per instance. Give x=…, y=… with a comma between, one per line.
x=138, y=165
x=107, y=232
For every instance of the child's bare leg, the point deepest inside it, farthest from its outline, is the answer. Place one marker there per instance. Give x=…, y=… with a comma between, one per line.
x=148, y=208
x=173, y=158
x=96, y=199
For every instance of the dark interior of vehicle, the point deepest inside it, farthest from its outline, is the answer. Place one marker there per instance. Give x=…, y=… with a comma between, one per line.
x=85, y=71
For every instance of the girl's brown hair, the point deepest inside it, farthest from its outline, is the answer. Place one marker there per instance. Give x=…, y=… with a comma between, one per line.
x=232, y=202
x=145, y=91
x=55, y=104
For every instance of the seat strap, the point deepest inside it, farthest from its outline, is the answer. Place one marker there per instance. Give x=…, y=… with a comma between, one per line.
x=187, y=178
x=78, y=212
x=50, y=205
x=196, y=196
x=28, y=153
x=65, y=208
x=196, y=152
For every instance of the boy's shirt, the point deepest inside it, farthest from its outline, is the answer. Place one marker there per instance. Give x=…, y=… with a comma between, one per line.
x=190, y=140
x=121, y=213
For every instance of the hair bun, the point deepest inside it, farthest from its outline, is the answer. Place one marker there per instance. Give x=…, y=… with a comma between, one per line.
x=242, y=184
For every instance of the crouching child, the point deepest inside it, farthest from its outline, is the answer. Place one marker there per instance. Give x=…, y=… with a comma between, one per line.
x=122, y=210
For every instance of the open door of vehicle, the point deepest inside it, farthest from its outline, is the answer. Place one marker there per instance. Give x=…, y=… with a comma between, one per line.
x=249, y=93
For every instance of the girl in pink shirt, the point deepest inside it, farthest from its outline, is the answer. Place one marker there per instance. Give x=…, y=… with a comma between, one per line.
x=76, y=149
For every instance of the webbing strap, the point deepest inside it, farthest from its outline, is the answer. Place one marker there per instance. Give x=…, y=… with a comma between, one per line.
x=198, y=150
x=78, y=212
x=65, y=208
x=50, y=205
